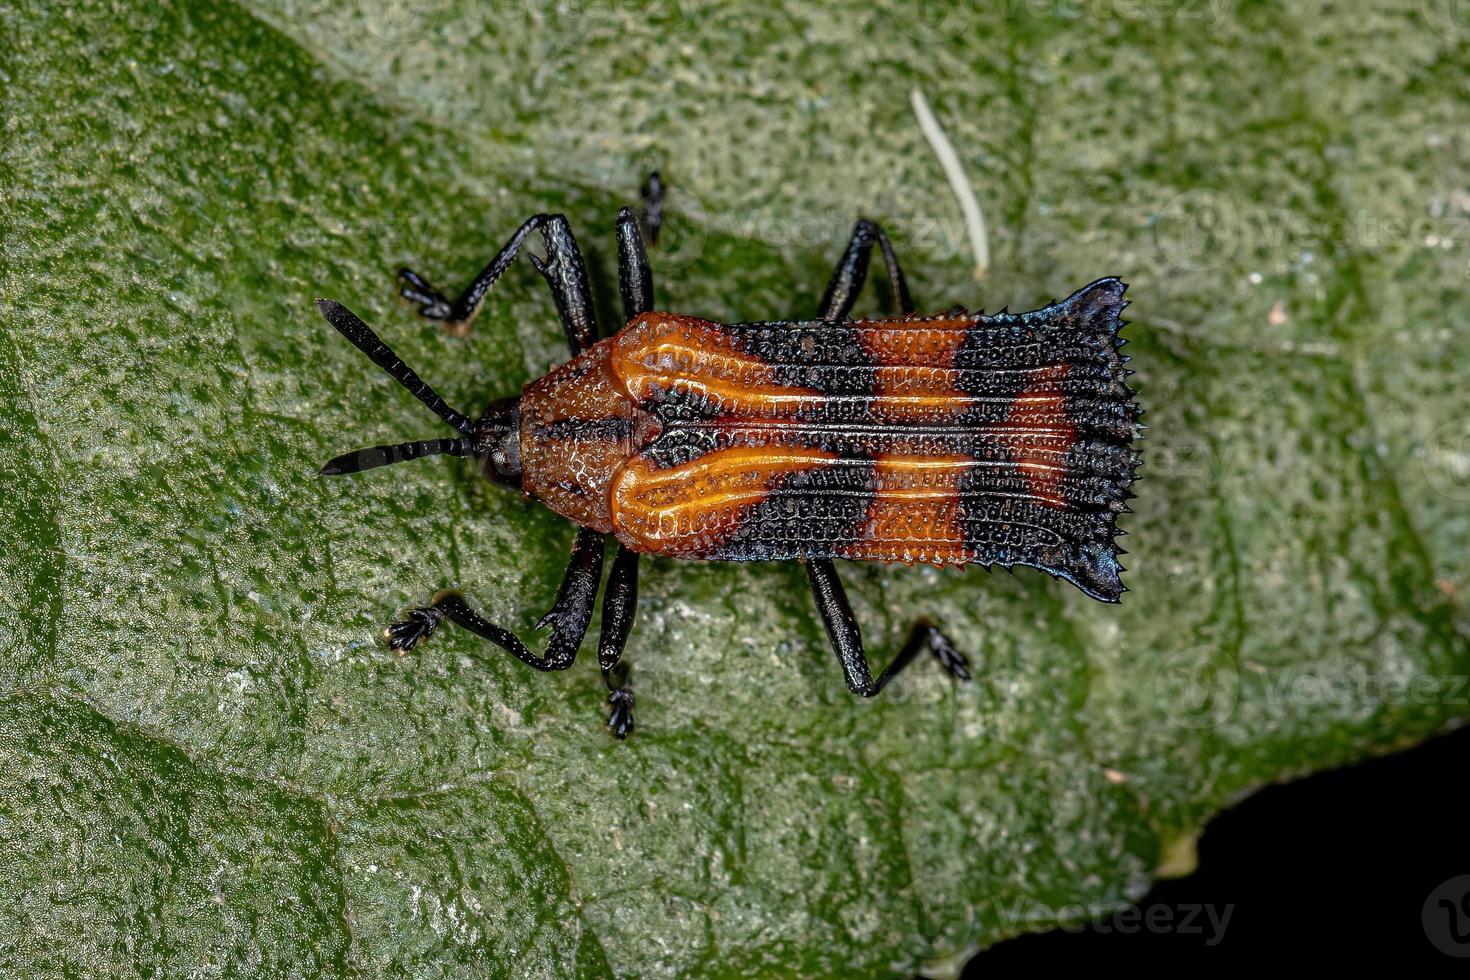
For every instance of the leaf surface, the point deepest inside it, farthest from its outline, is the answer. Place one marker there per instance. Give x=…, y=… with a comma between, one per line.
x=211, y=764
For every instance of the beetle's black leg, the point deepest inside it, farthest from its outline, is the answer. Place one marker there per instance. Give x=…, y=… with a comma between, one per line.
x=566, y=273
x=619, y=604
x=653, y=207
x=563, y=269
x=571, y=614
x=847, y=638
x=620, y=600
x=635, y=278
x=568, y=618
x=852, y=270
x=842, y=628
x=572, y=610
x=461, y=313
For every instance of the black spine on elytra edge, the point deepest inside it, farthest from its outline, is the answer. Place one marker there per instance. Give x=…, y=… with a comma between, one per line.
x=362, y=337
x=375, y=456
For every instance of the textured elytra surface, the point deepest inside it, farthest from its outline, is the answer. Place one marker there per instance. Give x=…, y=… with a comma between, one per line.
x=951, y=440
x=209, y=763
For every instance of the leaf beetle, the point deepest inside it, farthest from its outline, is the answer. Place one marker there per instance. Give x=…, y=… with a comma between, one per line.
x=952, y=439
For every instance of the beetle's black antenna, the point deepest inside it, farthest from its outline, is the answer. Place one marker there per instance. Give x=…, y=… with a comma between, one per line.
x=363, y=338
x=368, y=459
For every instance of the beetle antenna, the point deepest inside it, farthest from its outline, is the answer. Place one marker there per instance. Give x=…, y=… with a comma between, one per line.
x=350, y=326
x=368, y=459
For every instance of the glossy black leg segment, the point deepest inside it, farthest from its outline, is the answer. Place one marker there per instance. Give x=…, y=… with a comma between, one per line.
x=847, y=639
x=619, y=606
x=852, y=271
x=635, y=278
x=572, y=610
x=568, y=618
x=461, y=313
x=563, y=270
x=566, y=273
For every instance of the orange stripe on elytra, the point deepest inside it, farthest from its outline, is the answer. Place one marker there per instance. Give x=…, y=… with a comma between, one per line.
x=915, y=512
x=914, y=367
x=1041, y=433
x=691, y=508
x=664, y=352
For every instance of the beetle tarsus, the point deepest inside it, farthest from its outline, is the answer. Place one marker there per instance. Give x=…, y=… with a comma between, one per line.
x=852, y=272
x=417, y=625
x=847, y=638
x=651, y=218
x=562, y=268
x=620, y=718
x=620, y=697
x=416, y=289
x=944, y=651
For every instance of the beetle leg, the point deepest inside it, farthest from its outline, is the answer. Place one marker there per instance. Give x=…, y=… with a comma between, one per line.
x=653, y=207
x=563, y=270
x=566, y=274
x=572, y=610
x=620, y=600
x=620, y=697
x=568, y=618
x=852, y=270
x=459, y=314
x=847, y=638
x=619, y=606
x=635, y=279
x=842, y=627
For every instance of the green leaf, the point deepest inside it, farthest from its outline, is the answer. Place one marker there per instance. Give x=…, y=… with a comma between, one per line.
x=210, y=763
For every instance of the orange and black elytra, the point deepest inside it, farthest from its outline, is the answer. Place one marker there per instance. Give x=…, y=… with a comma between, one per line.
x=953, y=439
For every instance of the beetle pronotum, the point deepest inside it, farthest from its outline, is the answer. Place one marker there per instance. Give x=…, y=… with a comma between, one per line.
x=953, y=439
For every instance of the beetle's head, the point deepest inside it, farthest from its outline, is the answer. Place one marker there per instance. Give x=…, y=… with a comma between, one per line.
x=498, y=442
x=494, y=439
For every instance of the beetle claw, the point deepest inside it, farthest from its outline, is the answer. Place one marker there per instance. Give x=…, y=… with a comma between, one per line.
x=620, y=719
x=955, y=662
x=541, y=266
x=416, y=289
x=413, y=628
